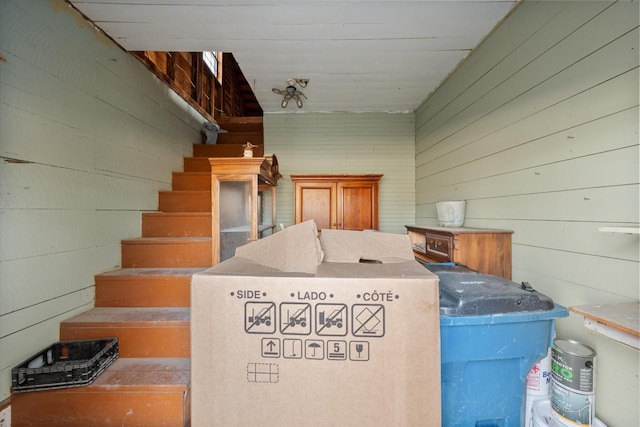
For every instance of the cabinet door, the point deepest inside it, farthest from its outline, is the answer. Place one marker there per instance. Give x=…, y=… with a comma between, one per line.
x=235, y=216
x=316, y=201
x=357, y=206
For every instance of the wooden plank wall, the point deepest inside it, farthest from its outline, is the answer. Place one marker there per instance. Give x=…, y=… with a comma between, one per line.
x=187, y=74
x=538, y=131
x=87, y=137
x=351, y=143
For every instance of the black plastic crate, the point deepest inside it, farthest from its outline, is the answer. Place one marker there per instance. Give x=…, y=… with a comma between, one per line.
x=65, y=364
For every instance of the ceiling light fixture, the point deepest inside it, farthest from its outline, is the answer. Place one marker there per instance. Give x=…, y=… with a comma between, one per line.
x=291, y=92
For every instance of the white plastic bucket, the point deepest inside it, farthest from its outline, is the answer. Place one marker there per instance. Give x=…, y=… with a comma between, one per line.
x=539, y=378
x=538, y=384
x=541, y=416
x=451, y=213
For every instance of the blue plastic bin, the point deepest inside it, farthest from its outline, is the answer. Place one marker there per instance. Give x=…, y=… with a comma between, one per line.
x=492, y=334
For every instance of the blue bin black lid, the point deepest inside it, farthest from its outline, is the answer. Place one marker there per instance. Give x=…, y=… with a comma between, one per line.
x=464, y=292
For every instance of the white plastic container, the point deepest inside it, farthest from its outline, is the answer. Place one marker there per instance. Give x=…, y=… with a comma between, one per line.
x=451, y=213
x=541, y=416
x=538, y=385
x=539, y=379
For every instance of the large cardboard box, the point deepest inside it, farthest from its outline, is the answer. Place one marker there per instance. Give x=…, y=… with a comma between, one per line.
x=307, y=332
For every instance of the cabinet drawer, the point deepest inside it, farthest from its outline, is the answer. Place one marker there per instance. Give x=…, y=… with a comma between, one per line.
x=440, y=247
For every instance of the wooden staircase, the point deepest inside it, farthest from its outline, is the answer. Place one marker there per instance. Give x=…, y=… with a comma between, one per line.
x=146, y=304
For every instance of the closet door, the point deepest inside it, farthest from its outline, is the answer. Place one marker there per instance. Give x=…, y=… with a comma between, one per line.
x=316, y=201
x=357, y=205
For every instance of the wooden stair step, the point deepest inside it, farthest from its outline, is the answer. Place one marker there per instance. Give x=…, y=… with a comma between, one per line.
x=166, y=252
x=191, y=181
x=240, y=124
x=141, y=331
x=184, y=201
x=131, y=392
x=241, y=137
x=176, y=224
x=145, y=287
x=225, y=150
x=196, y=164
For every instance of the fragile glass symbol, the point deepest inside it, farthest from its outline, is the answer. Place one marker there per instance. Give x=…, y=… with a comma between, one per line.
x=359, y=351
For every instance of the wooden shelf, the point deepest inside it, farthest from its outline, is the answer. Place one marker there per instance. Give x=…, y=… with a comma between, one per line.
x=618, y=322
x=247, y=228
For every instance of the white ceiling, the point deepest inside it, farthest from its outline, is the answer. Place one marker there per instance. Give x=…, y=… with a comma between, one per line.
x=359, y=56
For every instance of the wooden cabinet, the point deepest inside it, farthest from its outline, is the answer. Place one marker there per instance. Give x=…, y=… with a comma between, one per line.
x=243, y=202
x=339, y=202
x=482, y=249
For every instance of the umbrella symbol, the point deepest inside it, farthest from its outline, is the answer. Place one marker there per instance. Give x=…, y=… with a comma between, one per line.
x=314, y=346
